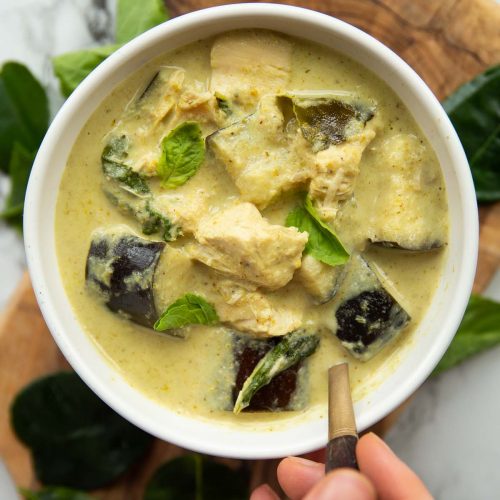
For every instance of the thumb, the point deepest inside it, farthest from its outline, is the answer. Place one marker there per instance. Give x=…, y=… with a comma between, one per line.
x=342, y=484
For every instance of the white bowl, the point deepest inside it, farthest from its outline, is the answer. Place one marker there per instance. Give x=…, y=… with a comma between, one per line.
x=435, y=331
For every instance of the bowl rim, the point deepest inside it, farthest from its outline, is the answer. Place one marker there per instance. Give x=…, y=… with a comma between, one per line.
x=253, y=13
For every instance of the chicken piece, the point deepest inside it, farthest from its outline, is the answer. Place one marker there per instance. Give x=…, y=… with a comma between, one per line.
x=319, y=280
x=238, y=304
x=407, y=213
x=183, y=209
x=247, y=65
x=239, y=242
x=336, y=171
x=263, y=159
x=252, y=312
x=197, y=103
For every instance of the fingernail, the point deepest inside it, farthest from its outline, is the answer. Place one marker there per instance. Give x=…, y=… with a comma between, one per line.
x=380, y=441
x=304, y=462
x=342, y=485
x=264, y=492
x=271, y=493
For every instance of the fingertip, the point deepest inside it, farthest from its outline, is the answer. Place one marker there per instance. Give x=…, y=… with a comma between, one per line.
x=343, y=484
x=390, y=475
x=298, y=475
x=264, y=492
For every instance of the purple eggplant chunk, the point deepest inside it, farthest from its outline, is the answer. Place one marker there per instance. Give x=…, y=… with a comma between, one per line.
x=275, y=396
x=422, y=246
x=121, y=267
x=368, y=316
x=279, y=394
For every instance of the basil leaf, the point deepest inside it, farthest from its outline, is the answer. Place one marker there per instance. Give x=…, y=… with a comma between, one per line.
x=194, y=477
x=479, y=330
x=76, y=440
x=323, y=244
x=24, y=111
x=21, y=162
x=54, y=493
x=188, y=310
x=474, y=110
x=133, y=17
x=71, y=68
x=183, y=151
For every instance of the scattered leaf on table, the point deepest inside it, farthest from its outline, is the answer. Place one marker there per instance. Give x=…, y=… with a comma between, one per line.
x=21, y=162
x=134, y=18
x=194, y=477
x=76, y=440
x=24, y=111
x=474, y=110
x=71, y=68
x=55, y=493
x=479, y=330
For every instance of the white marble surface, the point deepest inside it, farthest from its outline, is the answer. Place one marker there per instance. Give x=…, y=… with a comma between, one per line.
x=449, y=434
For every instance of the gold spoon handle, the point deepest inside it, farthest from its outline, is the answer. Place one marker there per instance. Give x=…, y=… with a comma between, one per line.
x=342, y=433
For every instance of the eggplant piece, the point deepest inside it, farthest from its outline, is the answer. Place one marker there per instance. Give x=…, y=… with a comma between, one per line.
x=328, y=120
x=158, y=100
x=368, y=316
x=121, y=267
x=247, y=65
x=267, y=371
x=113, y=161
x=262, y=158
x=152, y=220
x=421, y=246
x=321, y=281
x=409, y=211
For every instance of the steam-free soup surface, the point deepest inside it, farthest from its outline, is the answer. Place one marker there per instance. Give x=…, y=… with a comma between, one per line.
x=258, y=102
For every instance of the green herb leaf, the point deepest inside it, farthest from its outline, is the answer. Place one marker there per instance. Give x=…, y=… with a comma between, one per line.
x=21, y=162
x=134, y=18
x=54, y=493
x=474, y=110
x=113, y=160
x=188, y=310
x=76, y=440
x=293, y=348
x=479, y=330
x=323, y=244
x=223, y=104
x=24, y=111
x=71, y=68
x=194, y=477
x=183, y=151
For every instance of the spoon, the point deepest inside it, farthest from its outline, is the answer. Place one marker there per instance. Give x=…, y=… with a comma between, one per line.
x=342, y=433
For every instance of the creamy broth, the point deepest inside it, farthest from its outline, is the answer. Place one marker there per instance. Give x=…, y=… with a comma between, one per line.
x=188, y=375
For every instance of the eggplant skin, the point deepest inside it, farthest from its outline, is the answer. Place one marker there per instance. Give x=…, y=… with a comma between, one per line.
x=369, y=320
x=121, y=267
x=278, y=395
x=423, y=246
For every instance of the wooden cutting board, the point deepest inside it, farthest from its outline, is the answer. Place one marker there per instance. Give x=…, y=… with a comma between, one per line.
x=447, y=42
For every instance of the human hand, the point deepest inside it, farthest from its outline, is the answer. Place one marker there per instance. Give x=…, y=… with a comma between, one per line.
x=382, y=475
